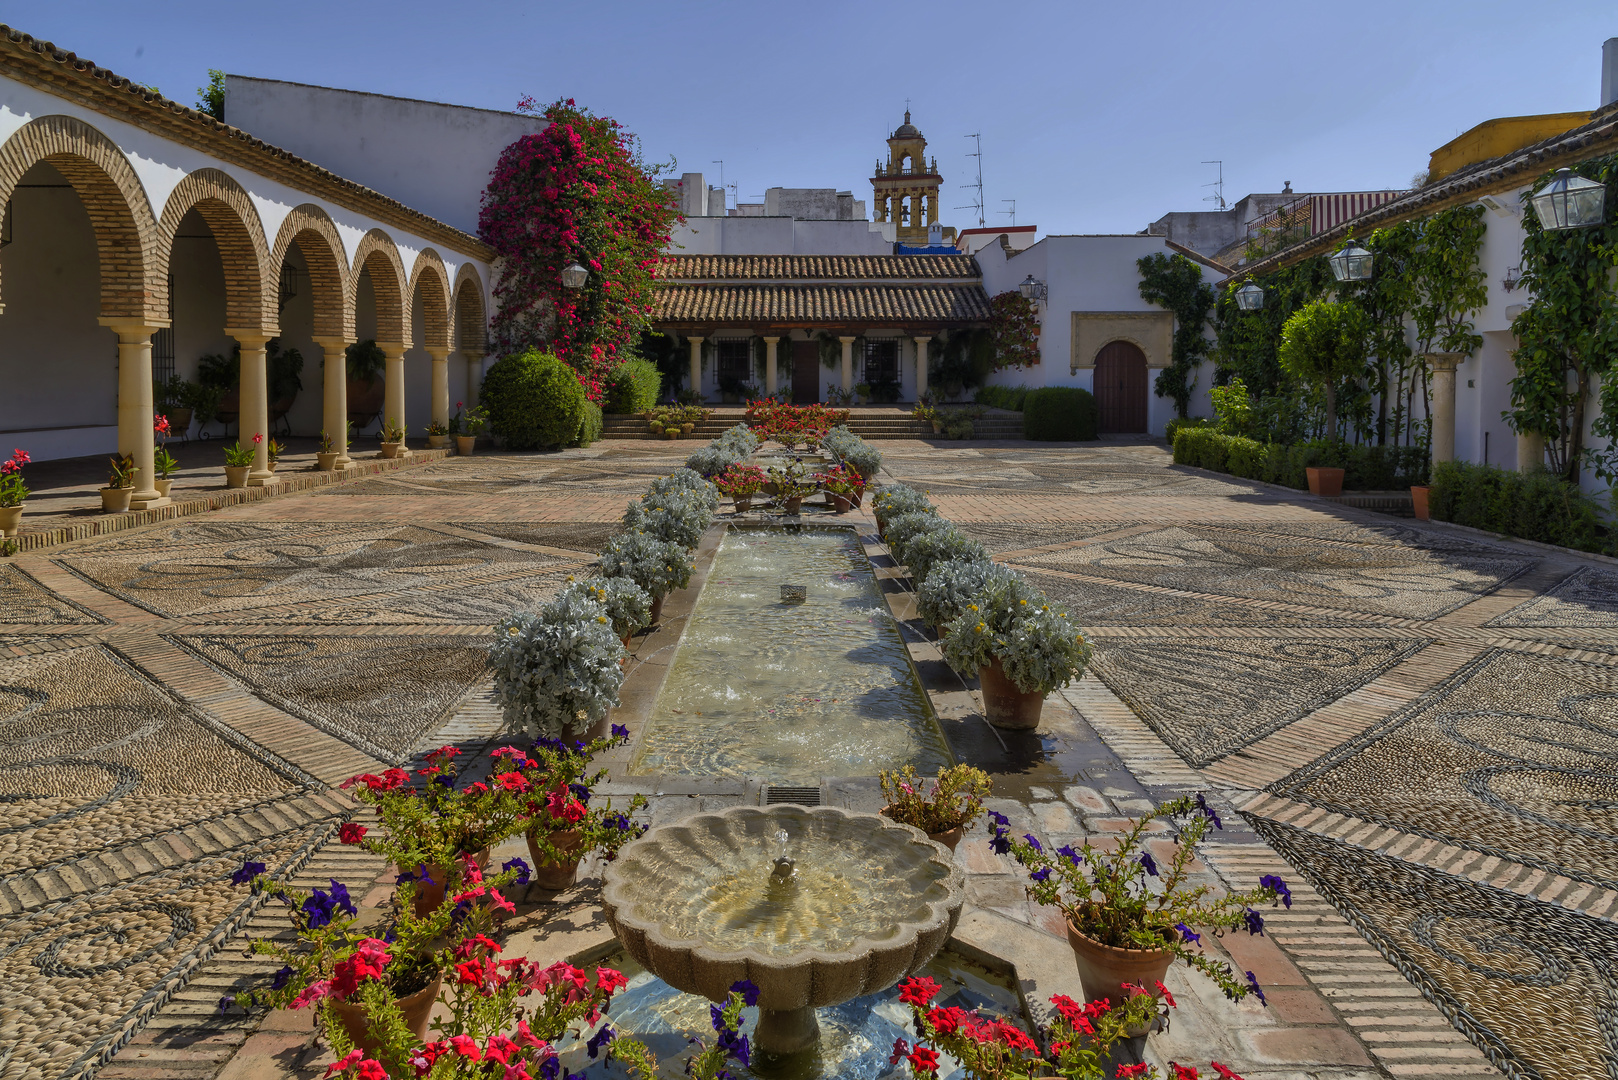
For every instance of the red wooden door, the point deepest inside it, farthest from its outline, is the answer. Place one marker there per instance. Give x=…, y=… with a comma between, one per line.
x=1120, y=387
x=805, y=372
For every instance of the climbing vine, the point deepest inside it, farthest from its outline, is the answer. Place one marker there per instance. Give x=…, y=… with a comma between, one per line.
x=1175, y=284
x=1567, y=337
x=1015, y=325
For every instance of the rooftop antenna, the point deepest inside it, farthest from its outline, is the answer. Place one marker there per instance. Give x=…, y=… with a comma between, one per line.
x=977, y=152
x=1218, y=185
x=1012, y=211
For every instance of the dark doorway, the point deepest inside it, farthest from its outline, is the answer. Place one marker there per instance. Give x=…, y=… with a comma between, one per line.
x=805, y=372
x=1120, y=384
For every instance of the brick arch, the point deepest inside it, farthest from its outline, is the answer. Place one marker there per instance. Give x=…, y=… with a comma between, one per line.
x=120, y=213
x=250, y=297
x=432, y=279
x=315, y=234
x=378, y=254
x=471, y=322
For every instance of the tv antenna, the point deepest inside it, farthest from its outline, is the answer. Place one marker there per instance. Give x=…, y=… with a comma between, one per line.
x=1012, y=211
x=977, y=152
x=1218, y=185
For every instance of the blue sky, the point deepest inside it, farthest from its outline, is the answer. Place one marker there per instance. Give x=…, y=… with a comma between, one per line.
x=1094, y=117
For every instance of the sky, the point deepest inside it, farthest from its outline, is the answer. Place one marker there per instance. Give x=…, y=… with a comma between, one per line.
x=1093, y=117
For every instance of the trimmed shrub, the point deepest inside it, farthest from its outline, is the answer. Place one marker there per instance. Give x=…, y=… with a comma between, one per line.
x=1173, y=427
x=1535, y=506
x=1001, y=397
x=1059, y=414
x=632, y=387
x=1365, y=468
x=534, y=401
x=591, y=423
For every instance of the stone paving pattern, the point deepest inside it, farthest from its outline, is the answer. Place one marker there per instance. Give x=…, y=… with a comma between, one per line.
x=1419, y=719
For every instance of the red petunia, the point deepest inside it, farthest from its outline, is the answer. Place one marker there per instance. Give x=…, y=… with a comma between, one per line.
x=1132, y=1070
x=1181, y=1072
x=465, y=1047
x=1225, y=1073
x=923, y=1060
x=1163, y=992
x=610, y=981
x=352, y=832
x=918, y=991
x=347, y=1063
x=372, y=1070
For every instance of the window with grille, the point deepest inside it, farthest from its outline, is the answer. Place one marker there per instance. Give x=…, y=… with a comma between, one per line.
x=163, y=345
x=882, y=362
x=735, y=364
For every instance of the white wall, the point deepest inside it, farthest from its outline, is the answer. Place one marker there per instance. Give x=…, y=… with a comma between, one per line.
x=431, y=157
x=779, y=236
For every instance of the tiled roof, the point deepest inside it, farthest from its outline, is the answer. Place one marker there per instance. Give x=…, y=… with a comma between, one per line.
x=1504, y=173
x=126, y=100
x=820, y=304
x=818, y=267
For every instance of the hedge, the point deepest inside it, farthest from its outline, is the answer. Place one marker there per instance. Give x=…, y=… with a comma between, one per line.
x=591, y=423
x=632, y=387
x=1535, y=506
x=534, y=400
x=1365, y=468
x=1178, y=422
x=1001, y=397
x=1059, y=414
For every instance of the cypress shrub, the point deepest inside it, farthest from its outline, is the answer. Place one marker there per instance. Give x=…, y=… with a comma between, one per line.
x=534, y=400
x=632, y=387
x=1059, y=414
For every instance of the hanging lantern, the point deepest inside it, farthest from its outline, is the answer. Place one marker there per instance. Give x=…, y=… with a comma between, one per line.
x=1570, y=201
x=1250, y=297
x=1351, y=263
x=1031, y=289
x=575, y=276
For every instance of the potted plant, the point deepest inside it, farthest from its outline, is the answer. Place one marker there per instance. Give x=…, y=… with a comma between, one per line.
x=363, y=366
x=326, y=457
x=13, y=492
x=943, y=595
x=628, y=607
x=162, y=462
x=393, y=438
x=437, y=435
x=862, y=391
x=276, y=450
x=562, y=827
x=475, y=421
x=1323, y=344
x=741, y=483
x=904, y=527
x=843, y=484
x=792, y=486
x=239, y=462
x=894, y=500
x=657, y=566
x=944, y=814
x=927, y=548
x=556, y=672
x=120, y=484
x=1020, y=648
x=1126, y=930
x=170, y=396
x=675, y=516
x=1418, y=501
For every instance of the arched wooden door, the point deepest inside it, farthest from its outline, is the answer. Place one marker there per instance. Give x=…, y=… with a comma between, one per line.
x=1120, y=388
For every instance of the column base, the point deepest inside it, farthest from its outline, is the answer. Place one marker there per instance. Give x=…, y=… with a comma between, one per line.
x=142, y=500
x=260, y=479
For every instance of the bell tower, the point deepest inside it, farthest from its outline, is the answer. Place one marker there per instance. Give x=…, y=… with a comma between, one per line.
x=906, y=187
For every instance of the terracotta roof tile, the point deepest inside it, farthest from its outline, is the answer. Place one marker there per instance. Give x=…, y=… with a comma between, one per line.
x=818, y=267
x=807, y=304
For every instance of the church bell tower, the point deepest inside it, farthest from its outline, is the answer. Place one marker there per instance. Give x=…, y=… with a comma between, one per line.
x=907, y=186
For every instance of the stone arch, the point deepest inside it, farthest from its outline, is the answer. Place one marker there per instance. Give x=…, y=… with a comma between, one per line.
x=378, y=254
x=1129, y=339
x=315, y=234
x=430, y=275
x=250, y=298
x=471, y=320
x=120, y=212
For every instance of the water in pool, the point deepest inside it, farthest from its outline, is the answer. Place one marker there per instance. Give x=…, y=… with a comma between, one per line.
x=790, y=692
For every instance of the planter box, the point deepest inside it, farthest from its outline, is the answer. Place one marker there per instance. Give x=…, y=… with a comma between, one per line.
x=1325, y=481
x=1418, y=502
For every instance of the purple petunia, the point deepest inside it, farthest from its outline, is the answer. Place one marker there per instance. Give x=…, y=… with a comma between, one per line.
x=249, y=870
x=747, y=990
x=317, y=910
x=999, y=844
x=600, y=1039
x=1033, y=842
x=580, y=792
x=1067, y=852
x=1270, y=881
x=1187, y=935
x=1147, y=861
x=1202, y=804
x=549, y=1068
x=619, y=731
x=1041, y=874
x=1252, y=981
x=281, y=978
x=225, y=1003
x=1255, y=922
x=520, y=867
x=339, y=898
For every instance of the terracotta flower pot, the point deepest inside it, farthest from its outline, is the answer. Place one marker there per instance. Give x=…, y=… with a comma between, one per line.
x=671, y=433
x=326, y=462
x=554, y=875
x=236, y=475
x=392, y=449
x=794, y=505
x=417, y=1009
x=273, y=464
x=10, y=520
x=163, y=486
x=948, y=839
x=429, y=897
x=179, y=421
x=1418, y=502
x=437, y=442
x=1004, y=704
x=842, y=504
x=657, y=610
x=688, y=428
x=744, y=503
x=115, y=500
x=464, y=444
x=1104, y=969
x=1325, y=481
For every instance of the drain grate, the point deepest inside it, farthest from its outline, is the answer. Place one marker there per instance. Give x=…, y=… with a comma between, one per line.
x=802, y=796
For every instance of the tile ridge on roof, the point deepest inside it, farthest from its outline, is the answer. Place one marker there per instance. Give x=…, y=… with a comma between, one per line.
x=173, y=110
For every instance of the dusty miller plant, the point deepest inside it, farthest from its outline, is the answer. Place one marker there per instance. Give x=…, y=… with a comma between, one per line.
x=928, y=549
x=685, y=480
x=900, y=530
x=628, y=606
x=658, y=566
x=1011, y=622
x=893, y=500
x=680, y=517
x=557, y=670
x=943, y=595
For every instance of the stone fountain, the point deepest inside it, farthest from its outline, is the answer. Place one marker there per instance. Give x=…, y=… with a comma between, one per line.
x=814, y=906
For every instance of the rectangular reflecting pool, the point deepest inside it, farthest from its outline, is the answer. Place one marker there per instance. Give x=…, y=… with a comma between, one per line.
x=790, y=692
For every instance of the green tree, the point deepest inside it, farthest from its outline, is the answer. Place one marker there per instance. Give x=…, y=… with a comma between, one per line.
x=1175, y=284
x=1324, y=344
x=211, y=98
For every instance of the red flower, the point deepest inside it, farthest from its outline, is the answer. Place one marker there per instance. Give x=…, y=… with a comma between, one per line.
x=257, y=438
x=501, y=1048
x=465, y=1047
x=372, y=1070
x=1163, y=992
x=160, y=424
x=1132, y=1070
x=610, y=981
x=475, y=942
x=923, y=1060
x=351, y=832
x=347, y=1063
x=947, y=1021
x=471, y=973
x=918, y=991
x=513, y=781
x=1224, y=1072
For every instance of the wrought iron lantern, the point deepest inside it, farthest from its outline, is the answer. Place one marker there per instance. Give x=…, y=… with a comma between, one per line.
x=575, y=276
x=1351, y=263
x=1250, y=297
x=1570, y=201
x=1031, y=289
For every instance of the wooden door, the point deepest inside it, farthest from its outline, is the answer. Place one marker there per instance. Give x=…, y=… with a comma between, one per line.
x=805, y=372
x=1120, y=388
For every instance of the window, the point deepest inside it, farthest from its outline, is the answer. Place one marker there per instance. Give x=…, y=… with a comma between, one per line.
x=735, y=364
x=163, y=345
x=882, y=362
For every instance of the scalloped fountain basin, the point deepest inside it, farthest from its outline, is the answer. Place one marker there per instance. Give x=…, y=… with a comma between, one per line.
x=870, y=901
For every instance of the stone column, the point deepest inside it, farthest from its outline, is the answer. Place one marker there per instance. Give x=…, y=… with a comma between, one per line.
x=1530, y=451
x=334, y=412
x=848, y=362
x=1443, y=432
x=440, y=384
x=474, y=376
x=393, y=390
x=136, y=437
x=696, y=363
x=771, y=377
x=255, y=404
x=921, y=364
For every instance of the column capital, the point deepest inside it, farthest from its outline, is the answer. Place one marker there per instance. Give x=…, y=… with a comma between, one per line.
x=1445, y=361
x=777, y=337
x=849, y=340
x=250, y=339
x=436, y=352
x=133, y=330
x=695, y=339
x=392, y=350
x=327, y=344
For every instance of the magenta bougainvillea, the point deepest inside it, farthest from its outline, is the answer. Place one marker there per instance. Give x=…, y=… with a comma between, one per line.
x=576, y=192
x=1015, y=325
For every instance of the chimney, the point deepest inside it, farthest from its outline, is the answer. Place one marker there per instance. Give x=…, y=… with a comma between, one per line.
x=1609, y=72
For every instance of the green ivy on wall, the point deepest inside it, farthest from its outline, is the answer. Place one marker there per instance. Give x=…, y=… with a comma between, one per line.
x=1175, y=284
